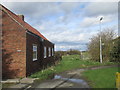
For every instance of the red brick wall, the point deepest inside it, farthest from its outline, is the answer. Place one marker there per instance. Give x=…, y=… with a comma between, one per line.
x=13, y=47
x=17, y=56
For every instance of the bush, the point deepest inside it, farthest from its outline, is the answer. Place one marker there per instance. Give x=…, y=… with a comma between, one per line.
x=115, y=50
x=107, y=36
x=58, y=55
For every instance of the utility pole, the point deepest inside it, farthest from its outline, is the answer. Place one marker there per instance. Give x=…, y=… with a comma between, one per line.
x=100, y=42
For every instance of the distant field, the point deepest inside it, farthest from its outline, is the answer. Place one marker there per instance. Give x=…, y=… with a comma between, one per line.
x=101, y=78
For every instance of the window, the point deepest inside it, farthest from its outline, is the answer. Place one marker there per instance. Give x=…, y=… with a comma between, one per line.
x=34, y=52
x=52, y=51
x=49, y=52
x=45, y=52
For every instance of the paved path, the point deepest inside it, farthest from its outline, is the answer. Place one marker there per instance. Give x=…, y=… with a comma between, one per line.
x=68, y=79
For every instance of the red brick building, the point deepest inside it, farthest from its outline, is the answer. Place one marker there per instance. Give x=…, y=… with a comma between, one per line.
x=24, y=49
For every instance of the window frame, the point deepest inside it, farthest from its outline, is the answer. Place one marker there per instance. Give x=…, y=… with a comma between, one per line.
x=34, y=45
x=49, y=50
x=45, y=52
x=52, y=51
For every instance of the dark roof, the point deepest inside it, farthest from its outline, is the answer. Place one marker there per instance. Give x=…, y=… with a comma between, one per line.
x=22, y=22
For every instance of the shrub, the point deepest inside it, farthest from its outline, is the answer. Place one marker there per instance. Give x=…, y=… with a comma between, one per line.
x=58, y=55
x=115, y=50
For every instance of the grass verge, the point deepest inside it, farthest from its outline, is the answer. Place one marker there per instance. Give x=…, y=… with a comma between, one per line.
x=101, y=78
x=44, y=74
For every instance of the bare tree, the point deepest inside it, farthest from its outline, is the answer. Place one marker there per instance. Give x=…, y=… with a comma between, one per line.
x=107, y=35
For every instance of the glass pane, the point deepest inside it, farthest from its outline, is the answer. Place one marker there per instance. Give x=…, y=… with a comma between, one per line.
x=49, y=51
x=34, y=48
x=34, y=55
x=44, y=51
x=52, y=51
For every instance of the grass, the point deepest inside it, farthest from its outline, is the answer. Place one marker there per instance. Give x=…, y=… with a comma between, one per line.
x=101, y=78
x=44, y=74
x=74, y=62
x=67, y=63
x=86, y=55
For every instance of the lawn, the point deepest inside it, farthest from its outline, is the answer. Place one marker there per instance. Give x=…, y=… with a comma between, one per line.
x=101, y=78
x=67, y=63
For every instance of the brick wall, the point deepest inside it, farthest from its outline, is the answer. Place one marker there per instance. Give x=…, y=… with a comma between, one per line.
x=33, y=66
x=41, y=62
x=13, y=47
x=48, y=60
x=17, y=56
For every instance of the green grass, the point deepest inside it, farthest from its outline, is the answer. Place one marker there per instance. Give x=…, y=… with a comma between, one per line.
x=67, y=63
x=101, y=78
x=74, y=62
x=86, y=55
x=44, y=74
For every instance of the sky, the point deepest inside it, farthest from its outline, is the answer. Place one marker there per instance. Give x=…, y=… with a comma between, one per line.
x=69, y=25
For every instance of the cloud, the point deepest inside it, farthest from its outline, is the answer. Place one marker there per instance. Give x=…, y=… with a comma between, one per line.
x=45, y=10
x=68, y=7
x=101, y=8
x=34, y=9
x=70, y=38
x=92, y=21
x=39, y=9
x=68, y=47
x=68, y=25
x=93, y=12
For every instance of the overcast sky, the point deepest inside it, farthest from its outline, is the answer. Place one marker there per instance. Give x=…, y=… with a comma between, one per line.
x=69, y=25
